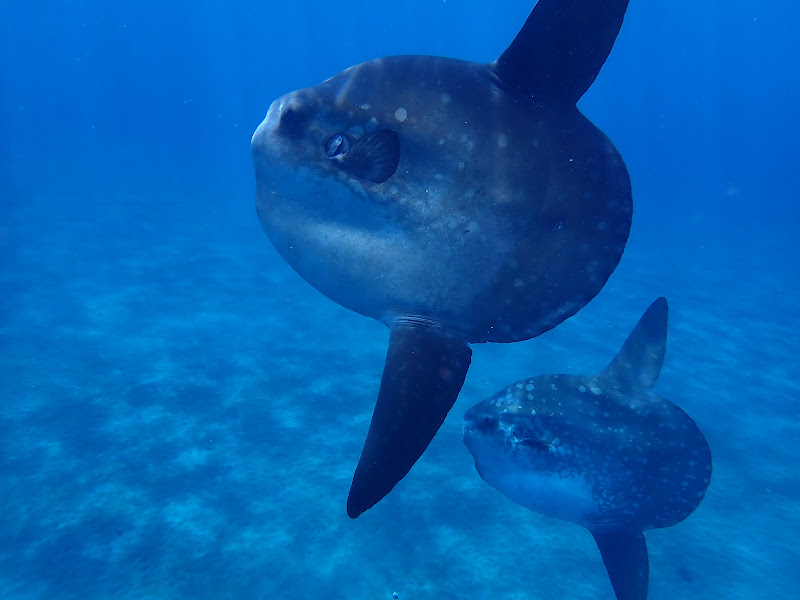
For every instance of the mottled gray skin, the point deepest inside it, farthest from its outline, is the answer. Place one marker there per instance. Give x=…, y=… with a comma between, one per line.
x=601, y=451
x=505, y=216
x=601, y=456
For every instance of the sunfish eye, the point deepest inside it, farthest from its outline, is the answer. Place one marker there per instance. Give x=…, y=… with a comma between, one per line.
x=337, y=145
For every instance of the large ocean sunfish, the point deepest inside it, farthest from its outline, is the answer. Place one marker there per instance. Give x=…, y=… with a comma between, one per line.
x=455, y=202
x=601, y=451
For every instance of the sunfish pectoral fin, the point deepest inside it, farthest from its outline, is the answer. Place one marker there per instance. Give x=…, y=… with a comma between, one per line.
x=561, y=48
x=373, y=157
x=638, y=363
x=624, y=554
x=422, y=377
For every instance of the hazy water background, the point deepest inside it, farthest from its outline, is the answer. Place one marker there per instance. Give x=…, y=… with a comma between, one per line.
x=180, y=414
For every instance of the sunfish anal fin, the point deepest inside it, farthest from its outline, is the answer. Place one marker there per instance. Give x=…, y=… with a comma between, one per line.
x=624, y=553
x=422, y=377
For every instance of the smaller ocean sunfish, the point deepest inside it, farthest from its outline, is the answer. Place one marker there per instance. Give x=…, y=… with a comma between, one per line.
x=601, y=451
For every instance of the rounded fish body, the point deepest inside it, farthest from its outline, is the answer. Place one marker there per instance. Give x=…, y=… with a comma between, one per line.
x=503, y=216
x=581, y=450
x=453, y=201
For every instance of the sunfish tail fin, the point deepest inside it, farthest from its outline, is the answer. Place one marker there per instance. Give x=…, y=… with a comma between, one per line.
x=560, y=50
x=422, y=377
x=638, y=363
x=625, y=557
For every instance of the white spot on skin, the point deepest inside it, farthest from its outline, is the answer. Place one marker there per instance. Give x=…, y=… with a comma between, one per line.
x=470, y=145
x=401, y=114
x=445, y=98
x=393, y=190
x=582, y=389
x=553, y=386
x=438, y=176
x=441, y=141
x=364, y=106
x=529, y=387
x=461, y=164
x=502, y=141
x=596, y=391
x=372, y=124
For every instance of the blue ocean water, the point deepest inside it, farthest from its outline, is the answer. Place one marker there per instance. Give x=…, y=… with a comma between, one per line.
x=180, y=413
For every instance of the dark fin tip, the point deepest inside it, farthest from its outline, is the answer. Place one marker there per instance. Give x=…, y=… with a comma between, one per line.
x=422, y=377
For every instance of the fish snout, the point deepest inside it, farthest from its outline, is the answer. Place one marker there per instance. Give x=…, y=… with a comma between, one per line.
x=287, y=117
x=260, y=143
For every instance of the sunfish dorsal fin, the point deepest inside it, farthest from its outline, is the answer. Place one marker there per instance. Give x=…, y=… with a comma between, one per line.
x=561, y=48
x=638, y=363
x=625, y=557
